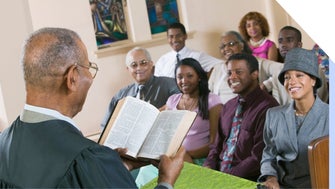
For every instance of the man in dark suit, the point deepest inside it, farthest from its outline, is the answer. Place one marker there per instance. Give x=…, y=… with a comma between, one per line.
x=155, y=90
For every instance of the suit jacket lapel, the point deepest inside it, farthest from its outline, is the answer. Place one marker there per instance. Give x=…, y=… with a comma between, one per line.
x=290, y=117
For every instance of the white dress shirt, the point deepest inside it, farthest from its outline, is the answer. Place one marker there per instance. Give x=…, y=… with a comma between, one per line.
x=166, y=64
x=50, y=112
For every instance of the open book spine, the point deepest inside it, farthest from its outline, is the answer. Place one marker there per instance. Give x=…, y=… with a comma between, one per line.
x=131, y=122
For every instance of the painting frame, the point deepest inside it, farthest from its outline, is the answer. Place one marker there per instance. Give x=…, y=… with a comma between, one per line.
x=162, y=13
x=109, y=21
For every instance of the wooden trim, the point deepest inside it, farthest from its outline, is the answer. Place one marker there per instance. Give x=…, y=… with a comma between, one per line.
x=125, y=46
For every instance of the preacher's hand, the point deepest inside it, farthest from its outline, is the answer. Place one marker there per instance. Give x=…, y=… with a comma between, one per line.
x=128, y=162
x=170, y=167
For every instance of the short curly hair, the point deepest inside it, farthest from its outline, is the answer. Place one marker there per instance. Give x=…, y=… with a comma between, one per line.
x=254, y=16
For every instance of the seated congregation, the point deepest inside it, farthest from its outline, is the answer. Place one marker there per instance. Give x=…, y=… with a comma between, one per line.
x=255, y=119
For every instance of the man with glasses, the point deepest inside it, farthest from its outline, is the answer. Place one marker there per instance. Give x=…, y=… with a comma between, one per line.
x=44, y=148
x=232, y=43
x=152, y=89
x=92, y=68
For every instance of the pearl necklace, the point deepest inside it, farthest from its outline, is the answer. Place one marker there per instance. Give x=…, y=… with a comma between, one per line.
x=257, y=43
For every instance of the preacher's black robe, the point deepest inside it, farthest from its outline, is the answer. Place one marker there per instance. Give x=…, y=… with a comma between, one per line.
x=54, y=154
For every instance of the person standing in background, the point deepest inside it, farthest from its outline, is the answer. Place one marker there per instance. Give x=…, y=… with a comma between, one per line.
x=255, y=29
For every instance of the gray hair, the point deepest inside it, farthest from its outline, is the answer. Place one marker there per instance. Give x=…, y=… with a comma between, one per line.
x=246, y=48
x=47, y=52
x=129, y=57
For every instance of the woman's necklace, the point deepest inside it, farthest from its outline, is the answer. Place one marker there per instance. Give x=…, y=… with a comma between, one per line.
x=299, y=120
x=189, y=104
x=300, y=117
x=299, y=113
x=257, y=43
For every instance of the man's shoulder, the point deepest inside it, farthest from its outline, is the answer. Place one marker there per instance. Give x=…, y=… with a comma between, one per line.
x=125, y=91
x=232, y=103
x=164, y=79
x=265, y=99
x=166, y=55
x=166, y=84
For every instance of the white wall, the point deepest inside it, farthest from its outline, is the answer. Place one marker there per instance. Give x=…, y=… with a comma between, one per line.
x=208, y=19
x=16, y=24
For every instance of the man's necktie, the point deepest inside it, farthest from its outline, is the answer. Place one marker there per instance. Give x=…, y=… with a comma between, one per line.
x=232, y=140
x=178, y=58
x=139, y=94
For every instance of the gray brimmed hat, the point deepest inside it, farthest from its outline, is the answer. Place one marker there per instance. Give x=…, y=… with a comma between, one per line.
x=301, y=60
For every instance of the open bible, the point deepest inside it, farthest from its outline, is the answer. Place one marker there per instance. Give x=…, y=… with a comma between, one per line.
x=144, y=130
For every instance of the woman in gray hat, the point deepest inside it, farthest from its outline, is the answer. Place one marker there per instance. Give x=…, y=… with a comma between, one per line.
x=290, y=128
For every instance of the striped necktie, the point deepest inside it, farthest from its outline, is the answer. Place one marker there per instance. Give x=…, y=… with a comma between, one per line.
x=232, y=140
x=139, y=94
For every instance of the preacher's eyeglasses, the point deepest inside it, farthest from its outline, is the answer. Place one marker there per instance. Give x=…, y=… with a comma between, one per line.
x=92, y=68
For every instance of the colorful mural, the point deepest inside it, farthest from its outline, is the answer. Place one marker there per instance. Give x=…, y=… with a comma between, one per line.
x=162, y=13
x=109, y=21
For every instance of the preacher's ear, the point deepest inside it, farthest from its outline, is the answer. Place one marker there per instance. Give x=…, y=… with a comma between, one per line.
x=72, y=78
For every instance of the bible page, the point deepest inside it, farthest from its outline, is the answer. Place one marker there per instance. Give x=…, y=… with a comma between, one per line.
x=132, y=125
x=164, y=131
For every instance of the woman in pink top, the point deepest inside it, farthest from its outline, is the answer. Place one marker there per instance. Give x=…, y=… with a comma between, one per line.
x=193, y=83
x=255, y=29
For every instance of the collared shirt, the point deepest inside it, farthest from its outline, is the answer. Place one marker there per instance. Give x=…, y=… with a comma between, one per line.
x=49, y=112
x=249, y=147
x=267, y=74
x=156, y=91
x=165, y=65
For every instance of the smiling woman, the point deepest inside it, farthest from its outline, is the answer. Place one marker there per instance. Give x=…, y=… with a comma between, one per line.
x=112, y=74
x=303, y=120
